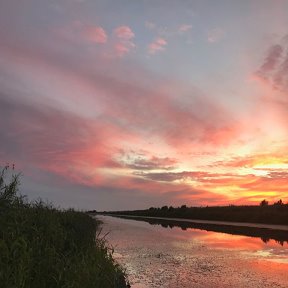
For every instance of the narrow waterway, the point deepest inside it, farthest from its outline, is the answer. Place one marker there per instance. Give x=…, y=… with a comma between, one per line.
x=171, y=256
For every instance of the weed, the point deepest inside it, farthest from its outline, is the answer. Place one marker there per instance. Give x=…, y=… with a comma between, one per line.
x=41, y=246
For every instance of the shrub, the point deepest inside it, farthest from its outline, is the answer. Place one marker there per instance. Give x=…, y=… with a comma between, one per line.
x=41, y=246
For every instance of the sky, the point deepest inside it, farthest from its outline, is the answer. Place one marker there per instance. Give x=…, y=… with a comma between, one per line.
x=113, y=105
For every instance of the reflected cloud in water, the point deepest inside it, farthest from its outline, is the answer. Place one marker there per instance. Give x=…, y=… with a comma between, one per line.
x=259, y=242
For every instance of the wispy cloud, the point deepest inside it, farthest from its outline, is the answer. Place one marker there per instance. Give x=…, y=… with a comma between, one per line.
x=124, y=43
x=124, y=32
x=199, y=176
x=215, y=35
x=157, y=45
x=274, y=69
x=77, y=109
x=184, y=28
x=139, y=162
x=272, y=59
x=95, y=34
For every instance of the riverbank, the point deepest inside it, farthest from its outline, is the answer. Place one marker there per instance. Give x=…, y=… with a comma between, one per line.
x=269, y=214
x=220, y=223
x=41, y=246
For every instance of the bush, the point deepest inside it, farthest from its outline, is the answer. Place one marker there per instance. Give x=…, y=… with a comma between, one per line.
x=41, y=246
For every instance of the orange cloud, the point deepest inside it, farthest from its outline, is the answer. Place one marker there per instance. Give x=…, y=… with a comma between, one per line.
x=113, y=116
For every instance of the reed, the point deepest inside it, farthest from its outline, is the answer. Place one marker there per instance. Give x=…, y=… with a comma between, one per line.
x=41, y=246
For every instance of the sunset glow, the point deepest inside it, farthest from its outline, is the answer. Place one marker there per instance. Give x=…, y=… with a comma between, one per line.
x=131, y=104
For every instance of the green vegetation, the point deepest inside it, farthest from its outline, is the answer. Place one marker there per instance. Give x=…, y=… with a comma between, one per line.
x=264, y=213
x=41, y=246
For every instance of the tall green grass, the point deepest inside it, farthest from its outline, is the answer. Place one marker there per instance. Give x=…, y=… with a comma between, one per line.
x=43, y=247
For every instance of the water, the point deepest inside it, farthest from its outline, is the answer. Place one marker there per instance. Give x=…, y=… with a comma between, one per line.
x=155, y=256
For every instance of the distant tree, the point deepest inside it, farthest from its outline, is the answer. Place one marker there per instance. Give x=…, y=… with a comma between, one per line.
x=164, y=208
x=151, y=208
x=264, y=203
x=171, y=208
x=183, y=207
x=280, y=202
x=92, y=211
x=265, y=239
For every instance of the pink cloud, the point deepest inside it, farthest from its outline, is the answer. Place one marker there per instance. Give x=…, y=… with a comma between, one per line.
x=124, y=44
x=167, y=117
x=95, y=34
x=123, y=48
x=95, y=108
x=157, y=46
x=79, y=31
x=124, y=32
x=88, y=148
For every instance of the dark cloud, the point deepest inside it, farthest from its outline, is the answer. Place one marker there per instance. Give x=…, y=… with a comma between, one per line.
x=43, y=136
x=153, y=163
x=54, y=188
x=51, y=146
x=281, y=76
x=200, y=176
x=272, y=59
x=275, y=66
x=280, y=174
x=37, y=129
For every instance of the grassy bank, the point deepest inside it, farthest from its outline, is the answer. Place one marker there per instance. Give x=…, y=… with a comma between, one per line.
x=265, y=214
x=41, y=246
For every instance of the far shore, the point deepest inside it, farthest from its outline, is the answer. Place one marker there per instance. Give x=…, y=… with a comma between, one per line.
x=225, y=223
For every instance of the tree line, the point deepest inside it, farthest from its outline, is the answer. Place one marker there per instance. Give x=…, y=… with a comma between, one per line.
x=276, y=213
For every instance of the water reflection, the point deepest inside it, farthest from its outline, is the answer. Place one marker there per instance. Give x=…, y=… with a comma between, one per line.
x=164, y=253
x=267, y=236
